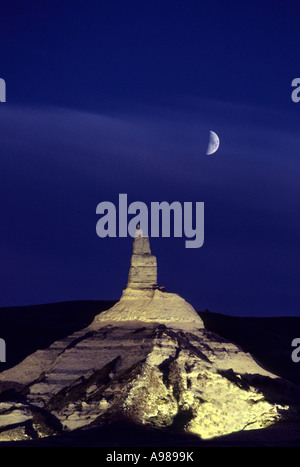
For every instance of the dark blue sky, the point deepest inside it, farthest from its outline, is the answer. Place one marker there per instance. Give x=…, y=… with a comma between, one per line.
x=109, y=97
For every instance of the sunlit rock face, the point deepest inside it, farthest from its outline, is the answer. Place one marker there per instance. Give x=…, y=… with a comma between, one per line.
x=143, y=269
x=143, y=300
x=184, y=381
x=148, y=359
x=154, y=375
x=151, y=306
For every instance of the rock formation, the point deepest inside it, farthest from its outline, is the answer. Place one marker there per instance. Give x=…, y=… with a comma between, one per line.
x=148, y=359
x=143, y=301
x=143, y=270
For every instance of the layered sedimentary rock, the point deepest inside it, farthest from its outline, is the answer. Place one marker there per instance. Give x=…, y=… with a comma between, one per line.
x=143, y=269
x=151, y=306
x=151, y=375
x=148, y=359
x=144, y=301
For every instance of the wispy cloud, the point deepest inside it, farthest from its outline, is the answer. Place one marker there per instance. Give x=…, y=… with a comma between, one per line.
x=57, y=164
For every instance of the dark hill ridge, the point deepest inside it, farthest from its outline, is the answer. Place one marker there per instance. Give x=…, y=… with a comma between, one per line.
x=28, y=328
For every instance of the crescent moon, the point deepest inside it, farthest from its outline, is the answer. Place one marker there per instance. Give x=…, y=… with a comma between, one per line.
x=213, y=144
